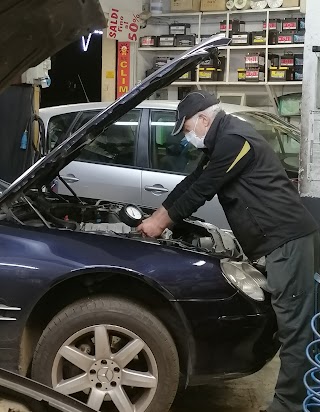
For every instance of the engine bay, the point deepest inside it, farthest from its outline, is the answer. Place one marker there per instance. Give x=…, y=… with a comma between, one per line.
x=43, y=209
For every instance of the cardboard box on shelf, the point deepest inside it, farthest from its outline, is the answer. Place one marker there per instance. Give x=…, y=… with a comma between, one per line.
x=291, y=3
x=185, y=5
x=213, y=5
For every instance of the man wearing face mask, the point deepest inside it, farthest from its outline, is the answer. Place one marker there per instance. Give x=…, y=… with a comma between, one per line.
x=266, y=215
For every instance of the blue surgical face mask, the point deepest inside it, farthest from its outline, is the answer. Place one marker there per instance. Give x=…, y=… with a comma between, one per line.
x=194, y=139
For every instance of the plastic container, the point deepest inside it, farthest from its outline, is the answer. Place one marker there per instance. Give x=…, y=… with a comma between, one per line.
x=290, y=104
x=156, y=7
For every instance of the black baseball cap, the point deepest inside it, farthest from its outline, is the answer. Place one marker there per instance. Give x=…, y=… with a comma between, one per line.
x=192, y=104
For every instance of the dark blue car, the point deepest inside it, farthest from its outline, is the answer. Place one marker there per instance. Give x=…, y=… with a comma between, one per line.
x=119, y=321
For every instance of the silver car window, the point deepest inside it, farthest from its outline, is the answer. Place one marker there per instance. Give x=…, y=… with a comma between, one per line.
x=170, y=153
x=116, y=144
x=58, y=126
x=282, y=137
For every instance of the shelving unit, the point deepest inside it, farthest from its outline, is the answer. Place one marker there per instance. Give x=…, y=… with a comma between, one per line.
x=276, y=46
x=208, y=23
x=199, y=83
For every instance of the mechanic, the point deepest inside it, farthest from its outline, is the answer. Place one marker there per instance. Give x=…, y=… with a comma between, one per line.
x=266, y=215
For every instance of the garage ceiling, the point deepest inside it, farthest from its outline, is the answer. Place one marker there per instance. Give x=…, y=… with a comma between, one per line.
x=33, y=30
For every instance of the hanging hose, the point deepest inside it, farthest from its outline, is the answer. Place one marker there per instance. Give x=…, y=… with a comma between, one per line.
x=312, y=377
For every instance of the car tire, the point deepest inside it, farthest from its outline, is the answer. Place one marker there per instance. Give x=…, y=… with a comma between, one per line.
x=124, y=320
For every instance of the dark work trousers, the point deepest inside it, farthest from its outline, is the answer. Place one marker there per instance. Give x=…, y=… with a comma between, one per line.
x=291, y=270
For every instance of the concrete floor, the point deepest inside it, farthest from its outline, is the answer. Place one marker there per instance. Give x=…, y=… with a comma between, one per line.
x=248, y=394
x=242, y=395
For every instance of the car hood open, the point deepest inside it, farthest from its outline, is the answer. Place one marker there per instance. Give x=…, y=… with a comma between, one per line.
x=31, y=31
x=47, y=168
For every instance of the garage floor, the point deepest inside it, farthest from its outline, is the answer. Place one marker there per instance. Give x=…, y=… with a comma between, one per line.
x=241, y=395
x=249, y=394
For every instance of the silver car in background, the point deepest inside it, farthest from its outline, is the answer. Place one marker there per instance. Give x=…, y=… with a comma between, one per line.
x=137, y=160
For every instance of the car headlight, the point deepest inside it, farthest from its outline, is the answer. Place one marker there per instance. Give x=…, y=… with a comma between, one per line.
x=245, y=278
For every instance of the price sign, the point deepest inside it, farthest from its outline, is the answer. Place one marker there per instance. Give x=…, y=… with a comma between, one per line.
x=287, y=62
x=285, y=39
x=290, y=25
x=123, y=25
x=252, y=59
x=252, y=74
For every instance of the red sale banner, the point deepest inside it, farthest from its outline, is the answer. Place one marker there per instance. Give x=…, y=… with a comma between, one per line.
x=123, y=25
x=123, y=73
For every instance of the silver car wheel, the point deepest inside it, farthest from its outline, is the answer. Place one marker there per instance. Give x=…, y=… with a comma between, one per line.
x=107, y=362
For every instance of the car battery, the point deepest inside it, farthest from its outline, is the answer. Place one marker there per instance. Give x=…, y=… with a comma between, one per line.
x=185, y=40
x=301, y=24
x=273, y=60
x=281, y=74
x=287, y=60
x=149, y=41
x=235, y=26
x=254, y=60
x=273, y=37
x=241, y=75
x=298, y=73
x=179, y=28
x=188, y=77
x=210, y=74
x=259, y=37
x=223, y=26
x=241, y=39
x=274, y=24
x=255, y=74
x=285, y=37
x=207, y=64
x=166, y=41
x=217, y=63
x=298, y=37
x=220, y=63
x=290, y=24
x=298, y=59
x=161, y=61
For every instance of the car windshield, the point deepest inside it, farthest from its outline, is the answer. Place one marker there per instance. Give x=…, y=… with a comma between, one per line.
x=282, y=137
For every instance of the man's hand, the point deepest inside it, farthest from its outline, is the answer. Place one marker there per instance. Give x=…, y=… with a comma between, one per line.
x=156, y=224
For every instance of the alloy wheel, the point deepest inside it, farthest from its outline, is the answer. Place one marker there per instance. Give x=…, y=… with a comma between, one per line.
x=106, y=364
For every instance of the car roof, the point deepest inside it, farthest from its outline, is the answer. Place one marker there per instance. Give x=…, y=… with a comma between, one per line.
x=147, y=104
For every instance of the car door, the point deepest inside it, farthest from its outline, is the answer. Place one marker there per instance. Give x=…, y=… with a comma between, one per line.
x=170, y=160
x=105, y=169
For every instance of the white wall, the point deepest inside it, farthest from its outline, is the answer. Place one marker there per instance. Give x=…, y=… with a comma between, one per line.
x=135, y=5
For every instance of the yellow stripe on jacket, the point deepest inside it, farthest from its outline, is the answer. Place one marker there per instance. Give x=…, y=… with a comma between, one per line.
x=246, y=148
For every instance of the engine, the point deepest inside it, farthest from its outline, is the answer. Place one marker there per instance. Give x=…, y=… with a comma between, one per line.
x=113, y=219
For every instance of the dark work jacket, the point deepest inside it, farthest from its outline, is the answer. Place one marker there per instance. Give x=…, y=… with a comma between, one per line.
x=261, y=204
